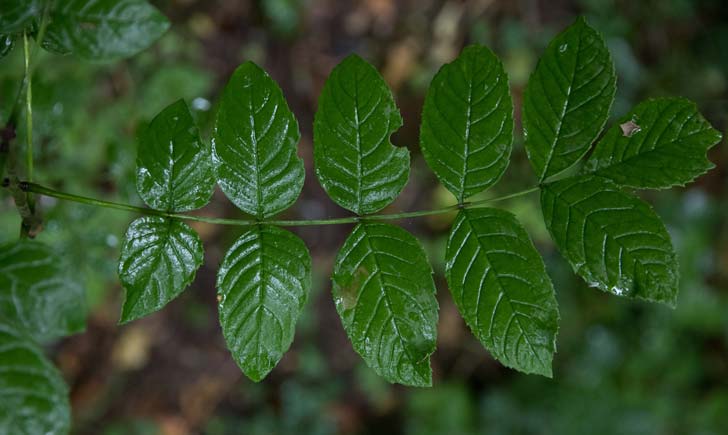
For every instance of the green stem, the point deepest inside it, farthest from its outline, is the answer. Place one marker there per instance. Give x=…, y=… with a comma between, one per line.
x=28, y=109
x=46, y=191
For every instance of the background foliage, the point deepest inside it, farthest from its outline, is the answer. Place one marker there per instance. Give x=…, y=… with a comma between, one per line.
x=632, y=367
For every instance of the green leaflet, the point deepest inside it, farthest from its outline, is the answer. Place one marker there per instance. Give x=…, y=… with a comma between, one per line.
x=612, y=239
x=660, y=143
x=37, y=293
x=467, y=122
x=34, y=396
x=103, y=30
x=159, y=258
x=500, y=285
x=385, y=295
x=355, y=162
x=254, y=150
x=16, y=15
x=263, y=284
x=567, y=99
x=174, y=169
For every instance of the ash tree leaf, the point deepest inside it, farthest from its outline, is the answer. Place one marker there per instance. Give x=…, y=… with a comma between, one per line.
x=660, y=143
x=254, y=148
x=17, y=15
x=385, y=296
x=263, y=284
x=500, y=285
x=354, y=159
x=174, y=168
x=612, y=239
x=567, y=100
x=103, y=30
x=467, y=122
x=34, y=395
x=159, y=258
x=37, y=292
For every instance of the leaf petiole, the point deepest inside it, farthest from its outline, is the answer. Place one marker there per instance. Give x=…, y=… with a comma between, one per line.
x=46, y=191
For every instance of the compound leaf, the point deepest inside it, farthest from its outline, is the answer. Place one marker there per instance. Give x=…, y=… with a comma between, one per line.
x=567, y=99
x=16, y=15
x=500, y=285
x=159, y=258
x=34, y=396
x=660, y=143
x=37, y=293
x=103, y=30
x=254, y=149
x=174, y=168
x=355, y=161
x=612, y=239
x=467, y=122
x=263, y=284
x=385, y=296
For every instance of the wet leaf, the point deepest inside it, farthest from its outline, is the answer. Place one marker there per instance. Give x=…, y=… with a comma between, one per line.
x=355, y=161
x=34, y=396
x=254, y=150
x=665, y=146
x=159, y=258
x=263, y=284
x=467, y=123
x=6, y=44
x=37, y=293
x=174, y=167
x=612, y=239
x=385, y=295
x=103, y=30
x=567, y=100
x=500, y=285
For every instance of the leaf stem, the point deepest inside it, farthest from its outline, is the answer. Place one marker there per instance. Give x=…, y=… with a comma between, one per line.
x=28, y=109
x=46, y=191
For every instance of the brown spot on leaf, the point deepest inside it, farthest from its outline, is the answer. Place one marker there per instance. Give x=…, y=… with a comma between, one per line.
x=349, y=291
x=629, y=128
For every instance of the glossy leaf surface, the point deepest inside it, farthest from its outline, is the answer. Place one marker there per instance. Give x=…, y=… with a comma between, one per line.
x=660, y=143
x=385, y=295
x=34, y=398
x=567, y=100
x=263, y=284
x=355, y=161
x=254, y=150
x=103, y=30
x=6, y=44
x=37, y=293
x=159, y=258
x=174, y=167
x=612, y=239
x=467, y=122
x=500, y=285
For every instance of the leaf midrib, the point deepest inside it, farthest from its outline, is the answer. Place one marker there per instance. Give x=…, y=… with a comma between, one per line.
x=505, y=293
x=565, y=108
x=628, y=253
x=387, y=301
x=256, y=160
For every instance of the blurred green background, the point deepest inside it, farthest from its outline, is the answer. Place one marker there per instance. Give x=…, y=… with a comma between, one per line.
x=622, y=367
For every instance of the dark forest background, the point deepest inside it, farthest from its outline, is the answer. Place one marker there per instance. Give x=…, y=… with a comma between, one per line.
x=622, y=367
